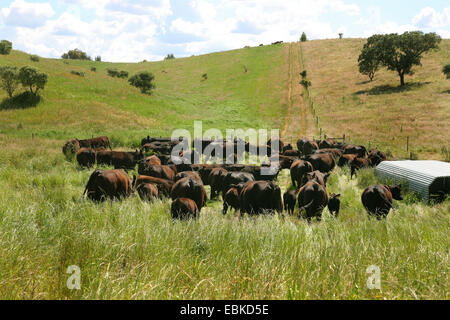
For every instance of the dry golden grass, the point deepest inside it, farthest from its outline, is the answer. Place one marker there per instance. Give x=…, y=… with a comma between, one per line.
x=380, y=112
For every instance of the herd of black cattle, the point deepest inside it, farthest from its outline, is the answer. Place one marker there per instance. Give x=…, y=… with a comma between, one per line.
x=245, y=188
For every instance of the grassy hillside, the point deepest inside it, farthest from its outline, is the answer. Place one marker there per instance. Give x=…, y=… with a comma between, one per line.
x=98, y=104
x=133, y=250
x=380, y=112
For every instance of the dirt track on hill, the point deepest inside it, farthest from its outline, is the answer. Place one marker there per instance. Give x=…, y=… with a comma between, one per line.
x=297, y=122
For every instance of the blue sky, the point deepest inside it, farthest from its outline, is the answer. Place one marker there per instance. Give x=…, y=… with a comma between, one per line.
x=149, y=29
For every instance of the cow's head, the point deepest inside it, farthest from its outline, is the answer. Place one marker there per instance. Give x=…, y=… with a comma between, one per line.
x=396, y=192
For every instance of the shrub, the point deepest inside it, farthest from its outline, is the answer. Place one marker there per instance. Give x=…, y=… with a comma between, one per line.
x=9, y=78
x=34, y=58
x=76, y=54
x=112, y=72
x=5, y=47
x=305, y=83
x=303, y=38
x=116, y=73
x=123, y=74
x=169, y=56
x=446, y=70
x=77, y=73
x=98, y=58
x=304, y=73
x=205, y=76
x=32, y=78
x=93, y=69
x=144, y=81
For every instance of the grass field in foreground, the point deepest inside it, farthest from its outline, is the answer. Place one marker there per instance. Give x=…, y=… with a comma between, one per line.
x=130, y=249
x=381, y=112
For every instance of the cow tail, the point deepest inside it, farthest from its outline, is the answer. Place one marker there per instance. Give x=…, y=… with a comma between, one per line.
x=307, y=206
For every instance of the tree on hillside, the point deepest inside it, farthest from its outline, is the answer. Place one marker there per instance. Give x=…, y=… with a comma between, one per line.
x=76, y=54
x=32, y=78
x=9, y=79
x=399, y=53
x=303, y=38
x=5, y=47
x=169, y=56
x=446, y=70
x=144, y=81
x=368, y=62
x=98, y=58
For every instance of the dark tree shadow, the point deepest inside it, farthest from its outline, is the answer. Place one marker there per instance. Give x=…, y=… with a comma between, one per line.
x=388, y=89
x=446, y=91
x=21, y=101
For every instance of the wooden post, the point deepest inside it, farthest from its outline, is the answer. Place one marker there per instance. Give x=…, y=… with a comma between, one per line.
x=407, y=143
x=343, y=138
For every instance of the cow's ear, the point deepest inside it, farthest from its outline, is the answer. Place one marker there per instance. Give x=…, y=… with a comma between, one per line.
x=337, y=195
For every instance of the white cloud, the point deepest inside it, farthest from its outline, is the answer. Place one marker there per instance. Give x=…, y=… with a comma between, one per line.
x=117, y=32
x=26, y=14
x=259, y=21
x=430, y=18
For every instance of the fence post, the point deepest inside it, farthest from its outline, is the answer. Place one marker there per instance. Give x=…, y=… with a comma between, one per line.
x=407, y=143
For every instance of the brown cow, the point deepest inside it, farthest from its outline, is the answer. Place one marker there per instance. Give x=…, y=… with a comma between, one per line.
x=86, y=157
x=71, y=147
x=120, y=159
x=148, y=191
x=336, y=153
x=164, y=186
x=298, y=169
x=188, y=174
x=312, y=198
x=232, y=198
x=188, y=188
x=112, y=184
x=95, y=143
x=184, y=208
x=258, y=196
x=292, y=153
x=359, y=163
x=153, y=161
x=163, y=172
x=324, y=162
x=377, y=199
x=216, y=181
x=376, y=156
x=328, y=143
x=289, y=200
x=317, y=176
x=204, y=170
x=334, y=204
x=360, y=151
x=308, y=146
x=346, y=159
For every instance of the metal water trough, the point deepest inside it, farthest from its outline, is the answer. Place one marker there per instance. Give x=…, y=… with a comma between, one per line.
x=427, y=178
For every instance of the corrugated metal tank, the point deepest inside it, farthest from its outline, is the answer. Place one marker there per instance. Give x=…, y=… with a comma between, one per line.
x=425, y=177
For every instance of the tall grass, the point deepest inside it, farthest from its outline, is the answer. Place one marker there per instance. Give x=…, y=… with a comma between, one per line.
x=133, y=250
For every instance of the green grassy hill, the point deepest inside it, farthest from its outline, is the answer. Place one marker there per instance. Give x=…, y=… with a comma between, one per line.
x=133, y=250
x=98, y=104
